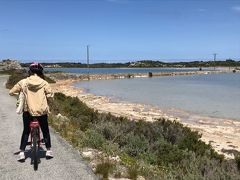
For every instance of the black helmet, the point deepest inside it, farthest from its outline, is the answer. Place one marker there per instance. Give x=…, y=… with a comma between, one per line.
x=36, y=67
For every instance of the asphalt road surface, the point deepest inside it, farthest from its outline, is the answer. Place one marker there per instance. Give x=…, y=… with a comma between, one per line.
x=66, y=164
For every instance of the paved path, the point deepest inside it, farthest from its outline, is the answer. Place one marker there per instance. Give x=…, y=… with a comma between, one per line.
x=66, y=164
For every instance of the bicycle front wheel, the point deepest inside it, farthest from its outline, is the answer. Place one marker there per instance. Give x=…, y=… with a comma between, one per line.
x=35, y=149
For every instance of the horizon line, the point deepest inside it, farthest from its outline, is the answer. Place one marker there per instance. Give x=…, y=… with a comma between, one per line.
x=115, y=61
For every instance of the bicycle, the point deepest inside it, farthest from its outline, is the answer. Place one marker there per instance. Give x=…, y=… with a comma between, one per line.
x=35, y=141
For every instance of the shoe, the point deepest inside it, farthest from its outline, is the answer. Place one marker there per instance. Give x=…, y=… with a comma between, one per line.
x=49, y=154
x=21, y=157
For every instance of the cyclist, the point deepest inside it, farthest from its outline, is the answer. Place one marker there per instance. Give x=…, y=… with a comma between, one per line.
x=36, y=91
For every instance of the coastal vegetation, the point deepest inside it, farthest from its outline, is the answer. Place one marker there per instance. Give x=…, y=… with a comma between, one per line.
x=154, y=150
x=150, y=149
x=17, y=75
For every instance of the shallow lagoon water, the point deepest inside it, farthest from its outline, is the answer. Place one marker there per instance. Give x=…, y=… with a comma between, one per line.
x=214, y=95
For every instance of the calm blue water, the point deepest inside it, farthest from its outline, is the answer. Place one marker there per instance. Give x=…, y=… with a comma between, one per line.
x=215, y=95
x=122, y=70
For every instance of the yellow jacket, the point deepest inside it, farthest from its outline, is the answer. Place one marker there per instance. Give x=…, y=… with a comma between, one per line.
x=36, y=91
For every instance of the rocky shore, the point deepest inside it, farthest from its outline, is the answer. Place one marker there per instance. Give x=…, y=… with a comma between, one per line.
x=222, y=134
x=10, y=65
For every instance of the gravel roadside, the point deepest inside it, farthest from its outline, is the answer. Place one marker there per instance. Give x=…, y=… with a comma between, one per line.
x=66, y=164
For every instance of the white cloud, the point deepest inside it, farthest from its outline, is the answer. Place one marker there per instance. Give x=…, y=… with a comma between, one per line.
x=236, y=8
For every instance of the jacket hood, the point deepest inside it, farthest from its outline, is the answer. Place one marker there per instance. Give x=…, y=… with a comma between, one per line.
x=35, y=83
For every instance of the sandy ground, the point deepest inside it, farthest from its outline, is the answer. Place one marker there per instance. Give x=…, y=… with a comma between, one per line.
x=223, y=134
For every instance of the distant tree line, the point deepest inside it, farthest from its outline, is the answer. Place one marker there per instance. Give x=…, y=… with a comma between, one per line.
x=144, y=64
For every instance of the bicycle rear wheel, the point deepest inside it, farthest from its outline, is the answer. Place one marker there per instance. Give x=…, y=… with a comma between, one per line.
x=35, y=148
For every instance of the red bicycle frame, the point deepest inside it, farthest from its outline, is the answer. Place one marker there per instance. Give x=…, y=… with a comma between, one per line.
x=35, y=124
x=35, y=142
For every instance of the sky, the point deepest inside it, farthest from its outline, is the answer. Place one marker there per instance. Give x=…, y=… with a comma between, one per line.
x=119, y=30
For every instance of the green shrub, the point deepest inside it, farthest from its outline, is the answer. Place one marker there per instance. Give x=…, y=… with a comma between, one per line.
x=133, y=172
x=108, y=130
x=49, y=80
x=93, y=139
x=167, y=148
x=73, y=108
x=128, y=160
x=104, y=169
x=110, y=148
x=237, y=159
x=169, y=154
x=117, y=175
x=15, y=77
x=134, y=145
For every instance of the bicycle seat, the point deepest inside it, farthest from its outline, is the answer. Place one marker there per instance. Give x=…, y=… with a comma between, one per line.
x=34, y=124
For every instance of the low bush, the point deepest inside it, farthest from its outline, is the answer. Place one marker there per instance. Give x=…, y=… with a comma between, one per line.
x=237, y=159
x=17, y=75
x=165, y=147
x=104, y=169
x=93, y=139
x=133, y=172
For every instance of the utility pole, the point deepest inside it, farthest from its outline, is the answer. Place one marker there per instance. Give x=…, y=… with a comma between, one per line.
x=88, y=61
x=215, y=54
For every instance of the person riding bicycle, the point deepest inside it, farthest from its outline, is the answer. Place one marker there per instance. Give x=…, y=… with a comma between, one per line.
x=36, y=91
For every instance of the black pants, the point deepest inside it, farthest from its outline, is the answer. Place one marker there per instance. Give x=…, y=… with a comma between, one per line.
x=43, y=121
